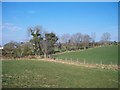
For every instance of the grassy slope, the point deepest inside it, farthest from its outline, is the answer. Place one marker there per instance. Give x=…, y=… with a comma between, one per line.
x=106, y=54
x=30, y=73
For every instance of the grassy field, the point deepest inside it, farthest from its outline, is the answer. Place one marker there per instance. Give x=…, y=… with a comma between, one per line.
x=106, y=54
x=38, y=74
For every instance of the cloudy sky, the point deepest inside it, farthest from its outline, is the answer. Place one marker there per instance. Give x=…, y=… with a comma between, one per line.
x=60, y=18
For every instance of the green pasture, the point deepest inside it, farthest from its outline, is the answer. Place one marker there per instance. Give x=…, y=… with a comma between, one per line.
x=104, y=55
x=42, y=74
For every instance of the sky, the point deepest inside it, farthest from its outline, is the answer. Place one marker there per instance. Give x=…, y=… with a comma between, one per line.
x=60, y=18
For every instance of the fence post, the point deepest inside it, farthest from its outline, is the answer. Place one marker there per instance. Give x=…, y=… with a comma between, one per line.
x=111, y=62
x=101, y=62
x=61, y=59
x=84, y=61
x=77, y=60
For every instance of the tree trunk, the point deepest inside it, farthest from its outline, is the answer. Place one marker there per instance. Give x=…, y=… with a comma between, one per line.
x=45, y=55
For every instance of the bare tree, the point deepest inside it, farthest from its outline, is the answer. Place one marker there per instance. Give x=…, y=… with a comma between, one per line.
x=105, y=37
x=86, y=40
x=77, y=38
x=65, y=38
x=93, y=36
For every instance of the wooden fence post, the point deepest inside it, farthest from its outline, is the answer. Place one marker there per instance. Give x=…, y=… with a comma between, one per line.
x=77, y=60
x=84, y=61
x=111, y=62
x=66, y=60
x=71, y=60
x=101, y=62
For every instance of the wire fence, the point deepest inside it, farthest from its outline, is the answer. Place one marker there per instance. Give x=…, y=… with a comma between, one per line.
x=81, y=62
x=84, y=61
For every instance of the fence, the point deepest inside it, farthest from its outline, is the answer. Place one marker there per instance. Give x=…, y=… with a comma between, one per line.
x=85, y=62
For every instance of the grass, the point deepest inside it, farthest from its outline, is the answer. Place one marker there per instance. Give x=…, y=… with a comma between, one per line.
x=38, y=74
x=106, y=55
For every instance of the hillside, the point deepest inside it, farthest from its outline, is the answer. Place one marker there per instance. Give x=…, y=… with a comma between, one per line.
x=104, y=54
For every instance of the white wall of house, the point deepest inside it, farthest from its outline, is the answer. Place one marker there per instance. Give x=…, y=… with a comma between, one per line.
x=1, y=48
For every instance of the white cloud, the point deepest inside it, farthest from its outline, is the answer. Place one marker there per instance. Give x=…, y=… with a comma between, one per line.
x=10, y=26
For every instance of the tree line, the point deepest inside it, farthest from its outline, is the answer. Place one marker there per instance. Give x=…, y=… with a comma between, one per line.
x=83, y=41
x=46, y=44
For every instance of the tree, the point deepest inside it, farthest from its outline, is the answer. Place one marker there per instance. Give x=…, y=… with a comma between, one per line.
x=86, y=40
x=93, y=36
x=45, y=47
x=76, y=39
x=51, y=39
x=37, y=37
x=59, y=45
x=105, y=37
x=65, y=38
x=47, y=44
x=26, y=48
x=43, y=44
x=10, y=49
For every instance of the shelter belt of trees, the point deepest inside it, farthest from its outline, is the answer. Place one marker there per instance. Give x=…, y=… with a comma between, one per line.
x=45, y=44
